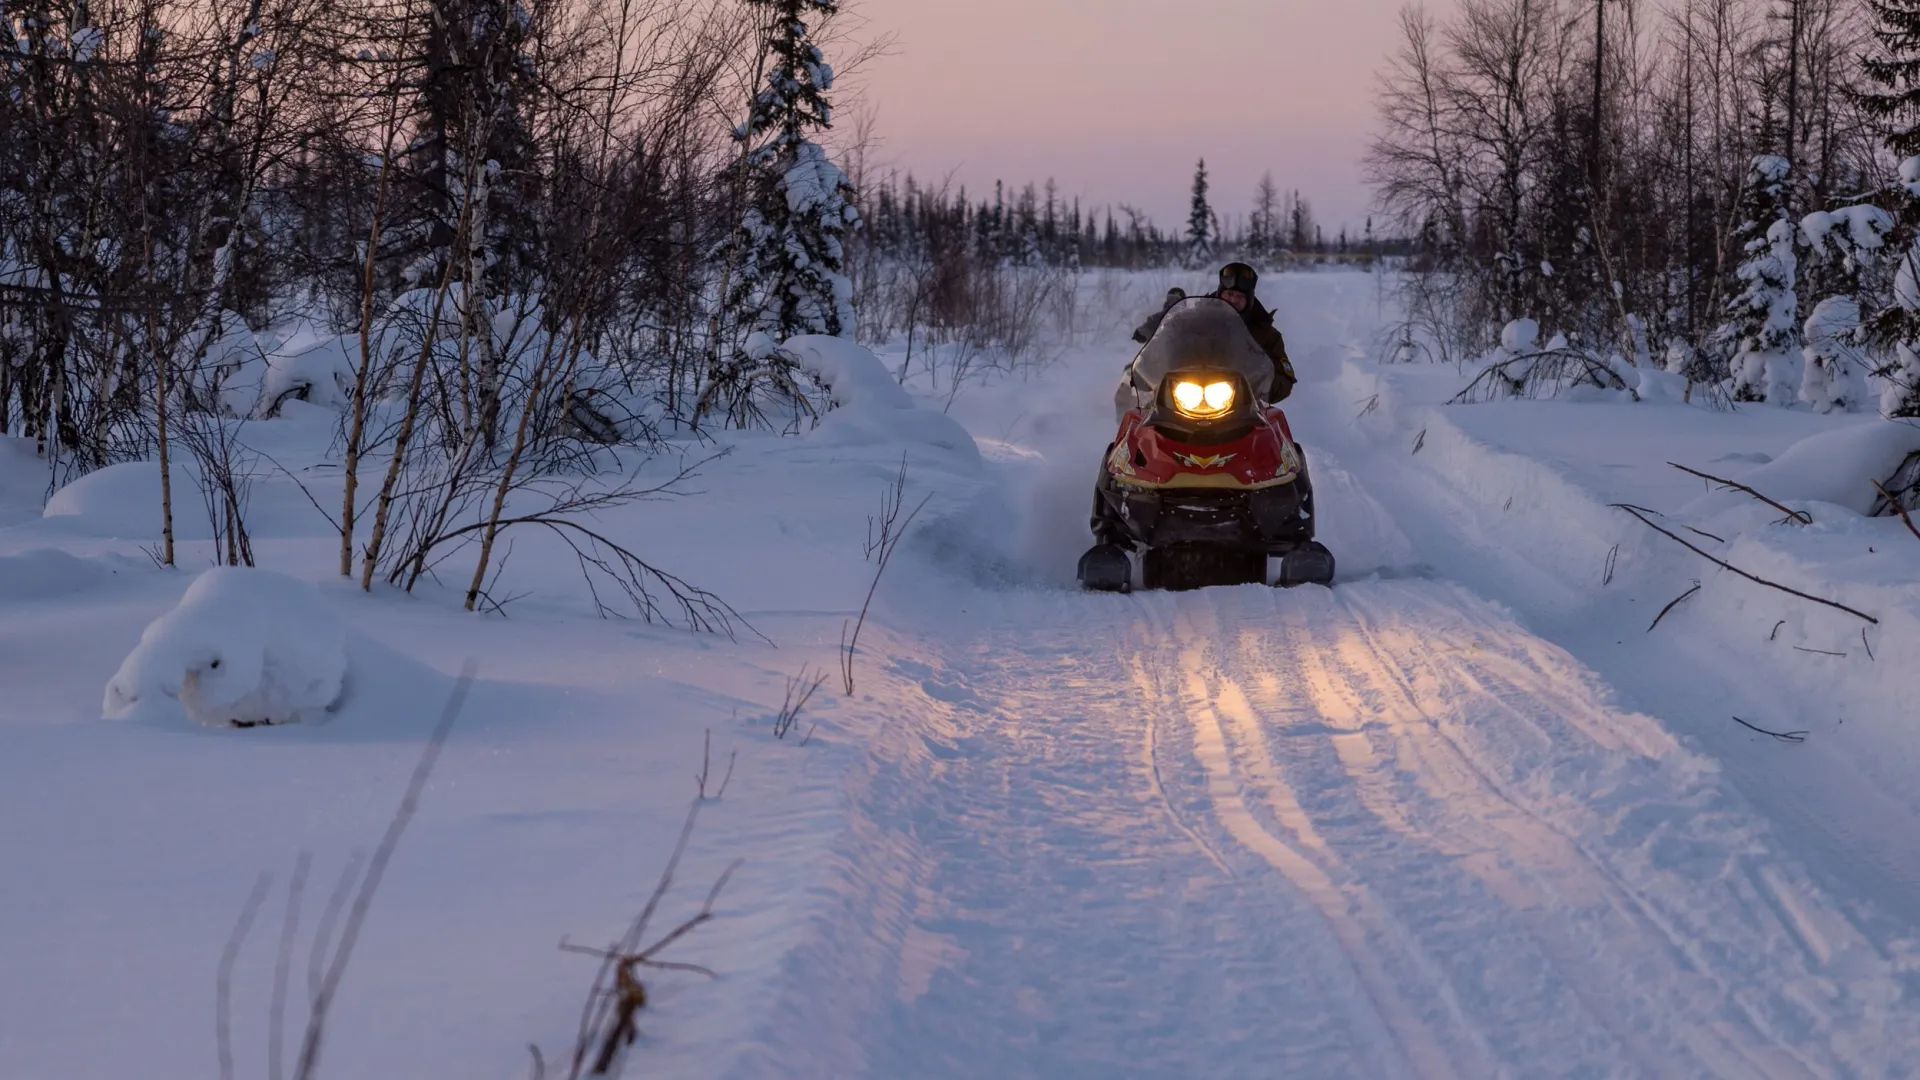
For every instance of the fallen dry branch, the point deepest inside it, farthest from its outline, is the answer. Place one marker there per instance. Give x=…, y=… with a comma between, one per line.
x=1671, y=604
x=1782, y=736
x=1905, y=516
x=1798, y=517
x=1755, y=578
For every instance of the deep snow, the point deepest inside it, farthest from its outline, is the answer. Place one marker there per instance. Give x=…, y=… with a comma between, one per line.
x=1462, y=815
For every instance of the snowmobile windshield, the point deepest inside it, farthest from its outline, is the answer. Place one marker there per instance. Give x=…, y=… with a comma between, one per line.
x=1204, y=334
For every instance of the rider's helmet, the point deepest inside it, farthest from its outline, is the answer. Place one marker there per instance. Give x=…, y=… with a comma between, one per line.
x=1239, y=277
x=1174, y=296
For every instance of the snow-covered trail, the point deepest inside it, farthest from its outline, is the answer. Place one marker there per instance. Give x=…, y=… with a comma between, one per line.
x=1377, y=832
x=1382, y=830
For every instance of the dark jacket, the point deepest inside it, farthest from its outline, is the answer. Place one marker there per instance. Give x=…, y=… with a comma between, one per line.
x=1260, y=324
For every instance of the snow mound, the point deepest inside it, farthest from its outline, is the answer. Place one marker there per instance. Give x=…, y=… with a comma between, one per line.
x=867, y=407
x=123, y=501
x=43, y=573
x=243, y=647
x=316, y=369
x=1836, y=467
x=850, y=374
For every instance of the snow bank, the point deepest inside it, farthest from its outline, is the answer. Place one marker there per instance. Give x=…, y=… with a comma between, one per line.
x=850, y=374
x=1836, y=467
x=43, y=573
x=866, y=406
x=244, y=647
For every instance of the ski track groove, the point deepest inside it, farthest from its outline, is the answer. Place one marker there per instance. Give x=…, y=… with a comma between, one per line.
x=1525, y=890
x=1311, y=867
x=1434, y=844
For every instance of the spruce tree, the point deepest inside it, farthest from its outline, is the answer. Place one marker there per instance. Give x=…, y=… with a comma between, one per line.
x=789, y=250
x=1263, y=231
x=1762, y=320
x=1200, y=220
x=1896, y=71
x=1899, y=325
x=1896, y=104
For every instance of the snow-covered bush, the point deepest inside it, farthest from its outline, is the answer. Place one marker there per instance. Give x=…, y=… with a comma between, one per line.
x=244, y=647
x=1835, y=376
x=1519, y=367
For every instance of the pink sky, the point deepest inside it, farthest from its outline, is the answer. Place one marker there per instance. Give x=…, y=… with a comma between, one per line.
x=1115, y=99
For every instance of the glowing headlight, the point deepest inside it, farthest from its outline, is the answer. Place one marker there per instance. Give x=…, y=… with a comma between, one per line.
x=1202, y=401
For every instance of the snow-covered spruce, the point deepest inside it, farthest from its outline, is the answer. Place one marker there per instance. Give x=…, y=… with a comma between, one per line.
x=788, y=253
x=244, y=647
x=1763, y=321
x=1200, y=230
x=1900, y=397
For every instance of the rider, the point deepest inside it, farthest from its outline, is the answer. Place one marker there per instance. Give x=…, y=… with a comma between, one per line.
x=1237, y=282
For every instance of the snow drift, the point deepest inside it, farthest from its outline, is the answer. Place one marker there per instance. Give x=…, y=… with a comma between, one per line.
x=243, y=647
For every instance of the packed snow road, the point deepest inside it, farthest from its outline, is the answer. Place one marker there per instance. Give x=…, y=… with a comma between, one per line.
x=1374, y=832
x=1379, y=830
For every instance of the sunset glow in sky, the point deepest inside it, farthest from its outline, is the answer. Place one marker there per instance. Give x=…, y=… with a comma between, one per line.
x=1115, y=99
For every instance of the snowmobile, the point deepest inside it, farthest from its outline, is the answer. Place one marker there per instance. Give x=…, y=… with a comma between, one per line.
x=1204, y=479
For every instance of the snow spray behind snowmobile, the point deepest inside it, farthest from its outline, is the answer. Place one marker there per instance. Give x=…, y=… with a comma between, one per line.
x=1204, y=478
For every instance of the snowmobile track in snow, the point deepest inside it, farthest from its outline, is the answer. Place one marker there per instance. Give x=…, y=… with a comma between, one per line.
x=1377, y=831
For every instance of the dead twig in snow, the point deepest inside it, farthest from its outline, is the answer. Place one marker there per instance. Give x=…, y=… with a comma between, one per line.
x=706, y=761
x=1705, y=533
x=1798, y=517
x=609, y=1021
x=850, y=632
x=1901, y=510
x=283, y=966
x=1671, y=604
x=1420, y=440
x=1776, y=630
x=1782, y=736
x=1822, y=652
x=800, y=690
x=1867, y=644
x=336, y=964
x=223, y=982
x=1755, y=578
x=1613, y=558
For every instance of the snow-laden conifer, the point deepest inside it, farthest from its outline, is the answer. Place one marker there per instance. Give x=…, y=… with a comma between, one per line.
x=1200, y=220
x=788, y=251
x=1762, y=326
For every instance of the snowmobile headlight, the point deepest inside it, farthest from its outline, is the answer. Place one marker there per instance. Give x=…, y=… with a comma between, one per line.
x=1203, y=401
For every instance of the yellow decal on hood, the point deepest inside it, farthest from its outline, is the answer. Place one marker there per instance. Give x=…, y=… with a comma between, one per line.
x=1206, y=461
